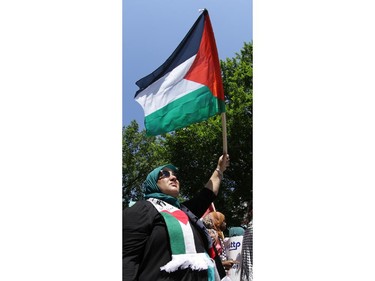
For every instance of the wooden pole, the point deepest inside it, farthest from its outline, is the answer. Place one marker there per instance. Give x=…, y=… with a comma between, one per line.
x=224, y=128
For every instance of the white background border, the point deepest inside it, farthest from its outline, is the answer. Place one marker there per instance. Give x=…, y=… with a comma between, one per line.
x=314, y=140
x=60, y=115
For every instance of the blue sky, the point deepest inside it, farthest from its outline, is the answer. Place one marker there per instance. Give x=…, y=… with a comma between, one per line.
x=153, y=29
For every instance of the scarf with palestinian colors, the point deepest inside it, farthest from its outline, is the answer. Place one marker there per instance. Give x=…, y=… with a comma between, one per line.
x=181, y=239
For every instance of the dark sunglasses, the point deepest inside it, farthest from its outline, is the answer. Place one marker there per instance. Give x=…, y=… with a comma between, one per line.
x=166, y=174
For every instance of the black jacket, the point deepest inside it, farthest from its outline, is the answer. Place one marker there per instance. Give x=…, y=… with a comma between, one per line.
x=146, y=243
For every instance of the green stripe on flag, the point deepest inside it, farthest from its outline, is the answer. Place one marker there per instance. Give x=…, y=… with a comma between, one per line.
x=176, y=236
x=194, y=107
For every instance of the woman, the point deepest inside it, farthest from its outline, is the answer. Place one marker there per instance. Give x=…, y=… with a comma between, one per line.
x=164, y=239
x=216, y=221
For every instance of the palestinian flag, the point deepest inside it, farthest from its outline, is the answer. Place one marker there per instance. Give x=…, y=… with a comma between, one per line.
x=187, y=88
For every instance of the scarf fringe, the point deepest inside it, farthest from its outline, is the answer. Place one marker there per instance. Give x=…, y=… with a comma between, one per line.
x=198, y=261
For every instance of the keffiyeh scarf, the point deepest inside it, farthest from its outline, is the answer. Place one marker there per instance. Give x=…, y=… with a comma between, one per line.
x=182, y=242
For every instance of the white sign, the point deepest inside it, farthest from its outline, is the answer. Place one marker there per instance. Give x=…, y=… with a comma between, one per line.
x=234, y=247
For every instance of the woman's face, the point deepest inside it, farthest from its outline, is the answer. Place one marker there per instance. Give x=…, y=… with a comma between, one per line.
x=168, y=183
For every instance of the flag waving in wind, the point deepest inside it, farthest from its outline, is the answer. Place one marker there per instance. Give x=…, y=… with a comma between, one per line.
x=187, y=88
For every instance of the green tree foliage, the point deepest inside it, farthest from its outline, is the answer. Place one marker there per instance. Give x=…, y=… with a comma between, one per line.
x=140, y=153
x=196, y=149
x=238, y=88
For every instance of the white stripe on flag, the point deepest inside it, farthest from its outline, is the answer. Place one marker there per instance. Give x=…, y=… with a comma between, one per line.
x=188, y=238
x=156, y=95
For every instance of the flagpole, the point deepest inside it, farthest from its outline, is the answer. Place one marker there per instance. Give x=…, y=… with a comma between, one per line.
x=224, y=129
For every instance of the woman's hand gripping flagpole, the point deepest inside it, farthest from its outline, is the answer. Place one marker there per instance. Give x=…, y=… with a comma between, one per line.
x=213, y=183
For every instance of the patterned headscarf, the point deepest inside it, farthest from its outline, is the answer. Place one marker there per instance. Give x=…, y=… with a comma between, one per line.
x=217, y=219
x=153, y=191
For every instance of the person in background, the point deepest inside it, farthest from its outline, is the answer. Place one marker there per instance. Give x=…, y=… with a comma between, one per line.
x=213, y=234
x=247, y=250
x=164, y=239
x=236, y=231
x=216, y=221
